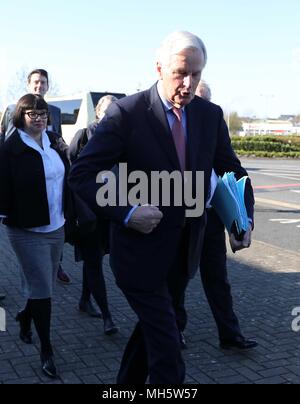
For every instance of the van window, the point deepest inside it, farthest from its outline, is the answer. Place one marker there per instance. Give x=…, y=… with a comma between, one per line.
x=97, y=95
x=69, y=110
x=77, y=110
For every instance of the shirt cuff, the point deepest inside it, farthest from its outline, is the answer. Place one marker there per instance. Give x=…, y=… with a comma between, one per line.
x=130, y=214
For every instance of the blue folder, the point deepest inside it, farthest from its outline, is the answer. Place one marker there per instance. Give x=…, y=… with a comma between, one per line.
x=229, y=203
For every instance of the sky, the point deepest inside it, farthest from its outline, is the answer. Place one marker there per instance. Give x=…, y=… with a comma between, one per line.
x=95, y=45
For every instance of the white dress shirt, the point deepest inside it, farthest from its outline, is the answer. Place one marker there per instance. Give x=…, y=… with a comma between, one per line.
x=54, y=173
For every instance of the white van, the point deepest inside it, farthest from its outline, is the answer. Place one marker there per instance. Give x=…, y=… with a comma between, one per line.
x=77, y=111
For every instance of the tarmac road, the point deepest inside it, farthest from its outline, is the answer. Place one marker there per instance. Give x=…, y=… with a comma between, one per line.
x=277, y=193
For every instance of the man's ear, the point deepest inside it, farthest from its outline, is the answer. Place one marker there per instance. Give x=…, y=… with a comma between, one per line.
x=159, y=69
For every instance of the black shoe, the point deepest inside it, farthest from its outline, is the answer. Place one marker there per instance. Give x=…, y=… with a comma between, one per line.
x=25, y=330
x=239, y=343
x=48, y=366
x=2, y=296
x=183, y=344
x=62, y=276
x=88, y=308
x=109, y=327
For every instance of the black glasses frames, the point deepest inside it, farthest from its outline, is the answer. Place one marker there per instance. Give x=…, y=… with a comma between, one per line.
x=34, y=115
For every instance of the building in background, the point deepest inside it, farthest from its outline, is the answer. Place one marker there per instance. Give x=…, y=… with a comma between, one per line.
x=270, y=127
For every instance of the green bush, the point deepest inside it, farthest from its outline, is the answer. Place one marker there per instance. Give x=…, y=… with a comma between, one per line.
x=268, y=154
x=267, y=146
x=295, y=139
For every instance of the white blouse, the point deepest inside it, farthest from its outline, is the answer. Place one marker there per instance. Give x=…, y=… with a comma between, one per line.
x=54, y=172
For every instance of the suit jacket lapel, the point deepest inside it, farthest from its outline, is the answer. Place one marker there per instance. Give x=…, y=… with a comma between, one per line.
x=161, y=129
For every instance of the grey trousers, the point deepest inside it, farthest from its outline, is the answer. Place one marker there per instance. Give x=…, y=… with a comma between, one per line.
x=39, y=256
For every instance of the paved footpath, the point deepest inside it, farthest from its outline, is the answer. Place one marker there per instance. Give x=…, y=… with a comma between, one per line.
x=266, y=288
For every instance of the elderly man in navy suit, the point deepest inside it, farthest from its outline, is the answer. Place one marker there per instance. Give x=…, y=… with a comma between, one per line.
x=154, y=250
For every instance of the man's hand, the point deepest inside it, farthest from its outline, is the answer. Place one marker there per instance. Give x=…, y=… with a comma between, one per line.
x=240, y=245
x=145, y=218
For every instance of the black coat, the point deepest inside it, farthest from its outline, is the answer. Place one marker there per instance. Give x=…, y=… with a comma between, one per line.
x=23, y=194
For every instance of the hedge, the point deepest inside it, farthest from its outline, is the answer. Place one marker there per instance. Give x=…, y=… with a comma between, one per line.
x=267, y=138
x=267, y=146
x=268, y=154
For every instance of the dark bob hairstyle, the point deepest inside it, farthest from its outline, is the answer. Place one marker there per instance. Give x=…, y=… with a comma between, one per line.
x=28, y=101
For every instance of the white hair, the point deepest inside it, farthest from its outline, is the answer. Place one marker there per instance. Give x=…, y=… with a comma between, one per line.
x=103, y=104
x=176, y=42
x=203, y=90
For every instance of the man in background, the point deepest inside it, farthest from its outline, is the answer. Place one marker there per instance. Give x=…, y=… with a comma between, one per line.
x=213, y=271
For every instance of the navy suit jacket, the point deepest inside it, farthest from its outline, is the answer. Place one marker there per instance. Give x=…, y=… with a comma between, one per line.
x=136, y=131
x=55, y=119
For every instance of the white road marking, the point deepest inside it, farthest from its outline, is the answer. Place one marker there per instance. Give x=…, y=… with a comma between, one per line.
x=275, y=175
x=272, y=202
x=286, y=221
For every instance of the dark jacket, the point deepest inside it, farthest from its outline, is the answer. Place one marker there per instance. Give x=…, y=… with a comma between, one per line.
x=87, y=223
x=23, y=196
x=136, y=131
x=55, y=119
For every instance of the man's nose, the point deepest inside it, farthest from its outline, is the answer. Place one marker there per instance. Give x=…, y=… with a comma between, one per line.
x=187, y=81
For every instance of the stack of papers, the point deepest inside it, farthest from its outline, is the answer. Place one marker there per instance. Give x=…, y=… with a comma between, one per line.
x=229, y=202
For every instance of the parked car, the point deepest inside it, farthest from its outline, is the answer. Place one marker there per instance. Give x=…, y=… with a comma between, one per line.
x=77, y=110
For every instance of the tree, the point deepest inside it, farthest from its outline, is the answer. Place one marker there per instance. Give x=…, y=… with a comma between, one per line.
x=17, y=85
x=235, y=123
x=296, y=120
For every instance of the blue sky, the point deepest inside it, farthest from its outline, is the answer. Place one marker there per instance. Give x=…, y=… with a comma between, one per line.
x=253, y=46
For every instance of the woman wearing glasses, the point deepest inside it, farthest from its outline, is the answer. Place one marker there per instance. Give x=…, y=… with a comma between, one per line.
x=33, y=201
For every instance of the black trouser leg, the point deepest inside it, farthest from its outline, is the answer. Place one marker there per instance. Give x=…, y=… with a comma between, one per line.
x=93, y=278
x=213, y=270
x=134, y=364
x=96, y=285
x=85, y=292
x=41, y=314
x=178, y=281
x=154, y=346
